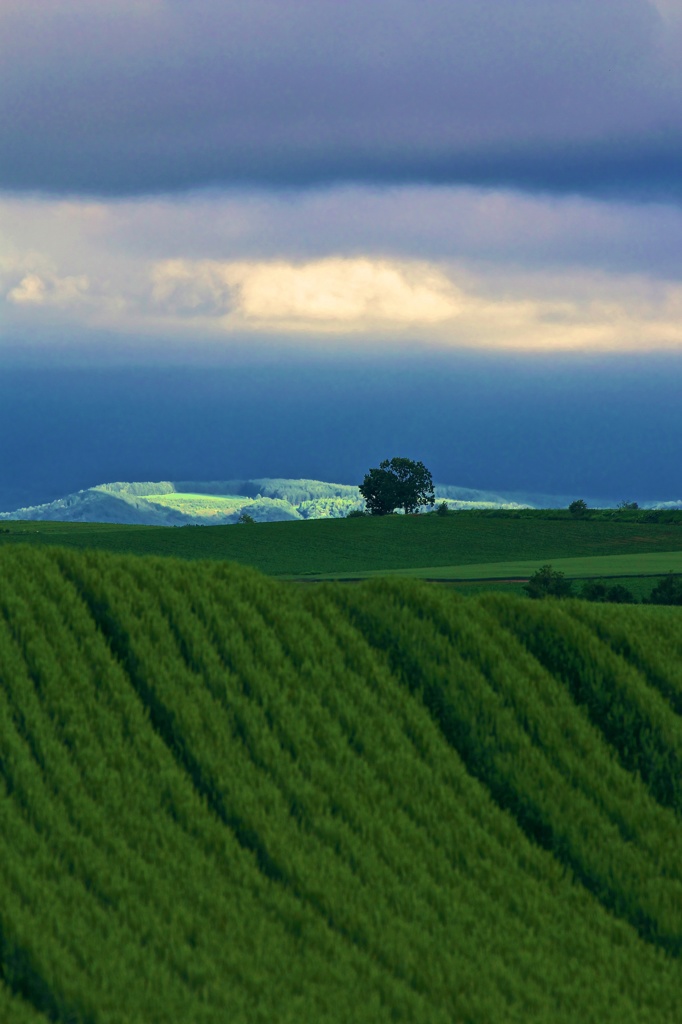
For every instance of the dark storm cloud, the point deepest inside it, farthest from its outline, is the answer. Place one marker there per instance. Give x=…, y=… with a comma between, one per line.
x=606, y=429
x=117, y=97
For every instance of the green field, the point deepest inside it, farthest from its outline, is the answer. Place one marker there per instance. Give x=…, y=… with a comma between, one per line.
x=654, y=563
x=351, y=547
x=229, y=799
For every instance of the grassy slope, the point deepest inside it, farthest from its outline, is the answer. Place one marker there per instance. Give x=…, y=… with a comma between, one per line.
x=653, y=563
x=348, y=547
x=228, y=799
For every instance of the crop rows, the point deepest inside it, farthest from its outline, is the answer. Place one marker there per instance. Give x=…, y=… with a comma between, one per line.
x=228, y=799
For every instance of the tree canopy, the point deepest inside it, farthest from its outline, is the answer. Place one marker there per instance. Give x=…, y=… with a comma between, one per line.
x=397, y=483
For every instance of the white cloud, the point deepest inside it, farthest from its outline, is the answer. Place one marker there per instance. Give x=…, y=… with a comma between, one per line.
x=48, y=290
x=29, y=292
x=332, y=294
x=376, y=298
x=185, y=288
x=347, y=292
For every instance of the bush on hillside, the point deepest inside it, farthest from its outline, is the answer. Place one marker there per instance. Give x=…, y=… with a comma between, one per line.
x=578, y=508
x=667, y=591
x=599, y=590
x=548, y=582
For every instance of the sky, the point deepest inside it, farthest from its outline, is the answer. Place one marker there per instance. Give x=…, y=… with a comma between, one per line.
x=295, y=237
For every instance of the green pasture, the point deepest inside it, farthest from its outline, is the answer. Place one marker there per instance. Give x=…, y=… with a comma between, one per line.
x=428, y=546
x=655, y=563
x=365, y=548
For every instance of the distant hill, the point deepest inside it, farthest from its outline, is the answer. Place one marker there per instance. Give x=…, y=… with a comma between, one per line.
x=184, y=502
x=265, y=499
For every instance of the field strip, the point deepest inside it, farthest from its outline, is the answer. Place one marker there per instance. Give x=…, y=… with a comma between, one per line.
x=655, y=563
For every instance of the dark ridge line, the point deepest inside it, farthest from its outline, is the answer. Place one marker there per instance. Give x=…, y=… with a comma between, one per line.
x=161, y=718
x=395, y=574
x=240, y=730
x=16, y=967
x=25, y=981
x=73, y=1016
x=405, y=809
x=72, y=825
x=353, y=744
x=295, y=808
x=246, y=837
x=661, y=784
x=291, y=928
x=416, y=746
x=442, y=628
x=613, y=816
x=19, y=718
x=623, y=647
x=457, y=733
x=535, y=827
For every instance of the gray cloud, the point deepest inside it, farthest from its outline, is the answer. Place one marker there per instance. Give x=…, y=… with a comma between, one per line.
x=161, y=95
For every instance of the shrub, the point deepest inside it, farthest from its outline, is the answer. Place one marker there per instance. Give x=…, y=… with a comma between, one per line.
x=548, y=582
x=667, y=591
x=578, y=508
x=598, y=590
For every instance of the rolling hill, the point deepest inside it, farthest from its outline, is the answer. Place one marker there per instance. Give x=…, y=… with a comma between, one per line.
x=184, y=502
x=226, y=798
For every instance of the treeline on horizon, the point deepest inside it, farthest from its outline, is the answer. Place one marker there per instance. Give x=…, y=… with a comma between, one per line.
x=346, y=497
x=548, y=582
x=229, y=799
x=672, y=516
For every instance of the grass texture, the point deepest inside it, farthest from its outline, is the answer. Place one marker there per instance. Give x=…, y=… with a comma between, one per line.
x=224, y=798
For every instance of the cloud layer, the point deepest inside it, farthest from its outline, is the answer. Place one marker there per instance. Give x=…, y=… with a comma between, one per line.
x=446, y=269
x=122, y=98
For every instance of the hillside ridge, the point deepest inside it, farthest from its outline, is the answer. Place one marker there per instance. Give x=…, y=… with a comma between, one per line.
x=251, y=801
x=185, y=502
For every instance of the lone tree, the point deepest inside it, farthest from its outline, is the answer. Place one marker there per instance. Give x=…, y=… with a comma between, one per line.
x=397, y=483
x=578, y=508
